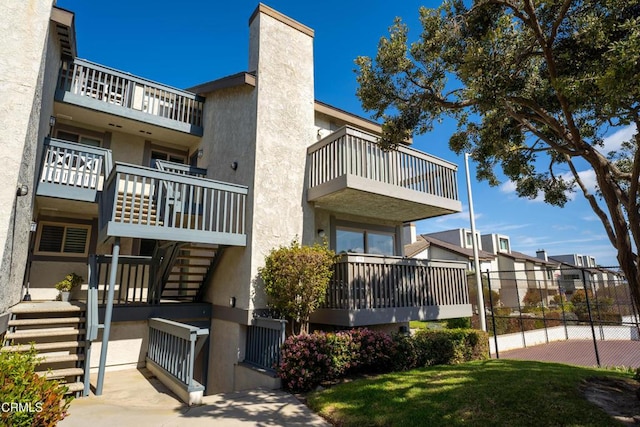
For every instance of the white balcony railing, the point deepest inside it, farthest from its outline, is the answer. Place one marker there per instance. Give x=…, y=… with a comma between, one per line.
x=73, y=171
x=98, y=85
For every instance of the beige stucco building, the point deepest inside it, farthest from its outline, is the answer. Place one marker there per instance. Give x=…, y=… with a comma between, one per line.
x=167, y=201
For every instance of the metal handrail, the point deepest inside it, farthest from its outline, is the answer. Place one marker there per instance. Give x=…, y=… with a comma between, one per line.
x=174, y=346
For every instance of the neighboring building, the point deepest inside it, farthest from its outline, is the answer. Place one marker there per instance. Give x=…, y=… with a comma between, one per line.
x=188, y=190
x=578, y=270
x=520, y=274
x=457, y=247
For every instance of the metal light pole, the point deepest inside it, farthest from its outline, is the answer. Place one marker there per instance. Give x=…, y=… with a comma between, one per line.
x=474, y=243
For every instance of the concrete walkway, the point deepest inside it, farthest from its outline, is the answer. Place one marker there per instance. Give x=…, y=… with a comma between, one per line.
x=136, y=398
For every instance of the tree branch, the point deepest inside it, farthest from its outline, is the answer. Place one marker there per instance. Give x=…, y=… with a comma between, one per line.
x=594, y=204
x=558, y=21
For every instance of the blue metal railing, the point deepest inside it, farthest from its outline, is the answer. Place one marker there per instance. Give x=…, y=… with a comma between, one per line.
x=173, y=347
x=264, y=340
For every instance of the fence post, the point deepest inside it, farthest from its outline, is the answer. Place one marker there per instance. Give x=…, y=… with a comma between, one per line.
x=593, y=331
x=524, y=339
x=493, y=316
x=544, y=320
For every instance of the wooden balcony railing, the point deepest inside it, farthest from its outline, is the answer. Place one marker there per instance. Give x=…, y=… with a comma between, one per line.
x=121, y=93
x=352, y=152
x=73, y=171
x=147, y=203
x=167, y=166
x=370, y=281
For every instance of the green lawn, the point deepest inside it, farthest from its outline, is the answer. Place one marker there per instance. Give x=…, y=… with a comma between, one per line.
x=483, y=393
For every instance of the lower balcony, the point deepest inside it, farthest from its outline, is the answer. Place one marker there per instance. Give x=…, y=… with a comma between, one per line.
x=370, y=289
x=350, y=173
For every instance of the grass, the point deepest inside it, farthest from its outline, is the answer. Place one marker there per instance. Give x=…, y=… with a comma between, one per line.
x=418, y=324
x=482, y=393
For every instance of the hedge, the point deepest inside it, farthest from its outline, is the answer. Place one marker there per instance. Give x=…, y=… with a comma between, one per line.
x=310, y=359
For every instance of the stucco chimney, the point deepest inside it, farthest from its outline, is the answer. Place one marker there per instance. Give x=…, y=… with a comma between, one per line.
x=409, y=233
x=542, y=254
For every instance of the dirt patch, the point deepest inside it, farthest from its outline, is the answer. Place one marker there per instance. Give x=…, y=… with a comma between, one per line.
x=616, y=396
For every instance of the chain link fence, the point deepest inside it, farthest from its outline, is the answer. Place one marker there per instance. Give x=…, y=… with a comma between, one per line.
x=572, y=315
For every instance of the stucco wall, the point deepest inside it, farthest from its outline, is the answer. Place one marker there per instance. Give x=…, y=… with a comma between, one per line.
x=24, y=27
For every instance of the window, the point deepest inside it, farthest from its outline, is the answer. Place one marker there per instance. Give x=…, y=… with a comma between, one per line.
x=469, y=239
x=160, y=155
x=365, y=241
x=63, y=239
x=75, y=137
x=549, y=273
x=504, y=245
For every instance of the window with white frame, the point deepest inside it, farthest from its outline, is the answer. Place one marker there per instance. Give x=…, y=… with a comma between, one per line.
x=361, y=240
x=504, y=244
x=61, y=239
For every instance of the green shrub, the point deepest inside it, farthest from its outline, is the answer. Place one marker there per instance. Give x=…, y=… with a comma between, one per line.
x=459, y=323
x=295, y=279
x=42, y=402
x=309, y=360
x=453, y=346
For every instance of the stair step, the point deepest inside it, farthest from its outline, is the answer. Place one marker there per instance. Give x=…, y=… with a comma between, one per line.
x=74, y=387
x=61, y=373
x=47, y=307
x=60, y=345
x=45, y=359
x=43, y=332
x=46, y=321
x=195, y=257
x=183, y=281
x=181, y=289
x=137, y=209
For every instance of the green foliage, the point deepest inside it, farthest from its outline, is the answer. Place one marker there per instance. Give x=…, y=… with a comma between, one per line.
x=69, y=282
x=308, y=360
x=532, y=298
x=296, y=279
x=534, y=87
x=450, y=347
x=43, y=402
x=459, y=323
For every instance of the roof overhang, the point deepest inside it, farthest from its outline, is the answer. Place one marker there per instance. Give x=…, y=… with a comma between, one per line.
x=65, y=28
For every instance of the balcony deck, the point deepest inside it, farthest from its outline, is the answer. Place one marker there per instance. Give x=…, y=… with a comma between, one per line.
x=73, y=171
x=350, y=173
x=371, y=289
x=96, y=87
x=146, y=203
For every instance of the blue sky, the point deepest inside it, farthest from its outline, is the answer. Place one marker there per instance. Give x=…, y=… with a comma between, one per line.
x=190, y=42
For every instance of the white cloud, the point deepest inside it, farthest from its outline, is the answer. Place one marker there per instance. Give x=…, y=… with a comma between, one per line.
x=613, y=141
x=508, y=187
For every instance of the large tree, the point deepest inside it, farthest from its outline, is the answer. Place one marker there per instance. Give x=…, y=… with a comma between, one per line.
x=534, y=85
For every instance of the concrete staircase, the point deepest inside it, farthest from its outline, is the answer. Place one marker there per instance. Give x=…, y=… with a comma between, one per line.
x=56, y=330
x=189, y=272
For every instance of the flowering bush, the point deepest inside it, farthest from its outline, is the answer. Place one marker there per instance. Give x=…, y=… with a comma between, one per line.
x=374, y=350
x=308, y=360
x=305, y=361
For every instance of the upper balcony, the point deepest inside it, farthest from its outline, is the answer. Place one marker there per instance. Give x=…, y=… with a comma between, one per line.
x=350, y=173
x=85, y=84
